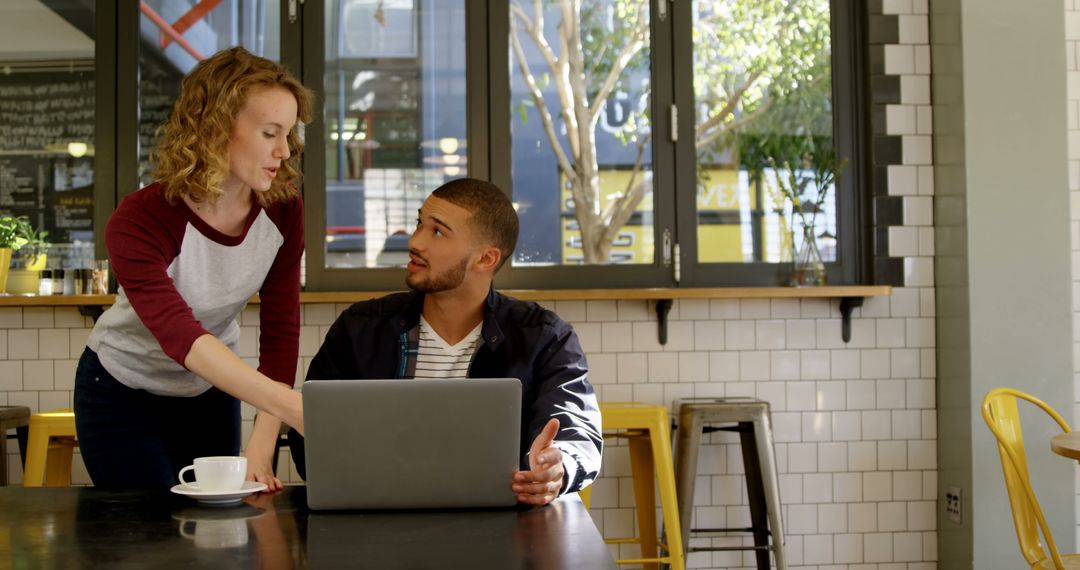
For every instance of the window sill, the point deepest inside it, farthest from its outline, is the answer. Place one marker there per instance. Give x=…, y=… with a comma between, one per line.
x=851, y=296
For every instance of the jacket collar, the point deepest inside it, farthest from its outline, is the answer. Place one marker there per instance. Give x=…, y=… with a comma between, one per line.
x=490, y=332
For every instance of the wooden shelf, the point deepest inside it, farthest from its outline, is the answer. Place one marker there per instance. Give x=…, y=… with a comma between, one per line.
x=55, y=300
x=831, y=292
x=851, y=296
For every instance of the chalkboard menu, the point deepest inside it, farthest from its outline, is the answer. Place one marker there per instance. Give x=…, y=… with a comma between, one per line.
x=41, y=177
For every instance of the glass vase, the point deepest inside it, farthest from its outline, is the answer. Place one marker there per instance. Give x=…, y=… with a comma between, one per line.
x=808, y=269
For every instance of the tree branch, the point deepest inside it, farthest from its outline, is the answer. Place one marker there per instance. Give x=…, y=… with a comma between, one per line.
x=717, y=133
x=545, y=116
x=729, y=107
x=628, y=51
x=627, y=202
x=535, y=28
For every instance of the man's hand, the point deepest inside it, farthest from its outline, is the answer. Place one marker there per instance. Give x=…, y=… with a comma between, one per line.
x=542, y=482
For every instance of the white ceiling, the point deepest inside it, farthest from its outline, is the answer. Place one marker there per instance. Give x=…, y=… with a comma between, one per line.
x=30, y=31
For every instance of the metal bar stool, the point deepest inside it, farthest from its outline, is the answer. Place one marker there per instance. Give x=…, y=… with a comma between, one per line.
x=648, y=429
x=16, y=418
x=51, y=444
x=753, y=424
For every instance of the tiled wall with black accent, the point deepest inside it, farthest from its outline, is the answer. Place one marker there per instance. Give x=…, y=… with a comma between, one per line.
x=900, y=149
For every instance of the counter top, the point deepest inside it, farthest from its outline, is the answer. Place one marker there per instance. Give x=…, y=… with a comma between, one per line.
x=85, y=527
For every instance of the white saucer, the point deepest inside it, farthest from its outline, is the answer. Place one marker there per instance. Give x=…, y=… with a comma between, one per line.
x=226, y=498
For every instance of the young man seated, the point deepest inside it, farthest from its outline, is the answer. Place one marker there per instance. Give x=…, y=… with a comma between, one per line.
x=453, y=324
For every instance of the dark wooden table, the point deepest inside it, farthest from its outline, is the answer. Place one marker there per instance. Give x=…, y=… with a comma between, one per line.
x=90, y=528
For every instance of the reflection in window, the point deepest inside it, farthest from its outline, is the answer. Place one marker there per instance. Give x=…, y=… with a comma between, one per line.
x=763, y=110
x=47, y=141
x=177, y=34
x=395, y=119
x=581, y=131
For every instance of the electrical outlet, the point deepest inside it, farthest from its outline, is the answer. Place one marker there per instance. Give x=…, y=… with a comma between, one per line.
x=954, y=504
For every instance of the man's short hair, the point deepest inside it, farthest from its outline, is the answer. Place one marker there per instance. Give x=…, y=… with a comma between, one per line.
x=492, y=218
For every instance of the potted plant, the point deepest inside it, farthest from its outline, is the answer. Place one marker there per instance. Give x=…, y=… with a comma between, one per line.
x=21, y=242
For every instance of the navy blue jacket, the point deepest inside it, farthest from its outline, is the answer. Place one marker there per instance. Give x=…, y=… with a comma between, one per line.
x=376, y=339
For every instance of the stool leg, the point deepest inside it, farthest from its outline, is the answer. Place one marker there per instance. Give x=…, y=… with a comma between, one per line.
x=59, y=454
x=769, y=479
x=669, y=504
x=686, y=455
x=3, y=459
x=586, y=496
x=23, y=434
x=641, y=465
x=37, y=449
x=755, y=494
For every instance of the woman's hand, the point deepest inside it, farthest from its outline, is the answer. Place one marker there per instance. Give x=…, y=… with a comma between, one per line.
x=261, y=469
x=260, y=451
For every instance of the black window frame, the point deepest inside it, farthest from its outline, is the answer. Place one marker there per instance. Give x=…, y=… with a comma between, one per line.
x=488, y=137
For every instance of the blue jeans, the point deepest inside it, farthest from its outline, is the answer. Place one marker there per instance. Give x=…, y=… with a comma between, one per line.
x=132, y=439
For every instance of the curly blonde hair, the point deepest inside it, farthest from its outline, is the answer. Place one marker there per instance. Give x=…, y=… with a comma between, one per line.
x=191, y=154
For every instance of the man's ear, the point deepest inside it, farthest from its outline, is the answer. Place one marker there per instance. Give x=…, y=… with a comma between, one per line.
x=490, y=258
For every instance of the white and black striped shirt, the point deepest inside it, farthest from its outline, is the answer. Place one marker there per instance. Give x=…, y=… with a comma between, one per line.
x=438, y=359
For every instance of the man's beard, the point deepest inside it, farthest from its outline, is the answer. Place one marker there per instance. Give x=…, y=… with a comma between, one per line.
x=450, y=279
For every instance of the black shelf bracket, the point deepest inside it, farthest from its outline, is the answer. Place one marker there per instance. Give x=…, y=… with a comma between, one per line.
x=663, y=307
x=847, y=304
x=92, y=311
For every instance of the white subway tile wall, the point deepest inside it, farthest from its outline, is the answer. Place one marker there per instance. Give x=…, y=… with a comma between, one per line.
x=1072, y=44
x=854, y=425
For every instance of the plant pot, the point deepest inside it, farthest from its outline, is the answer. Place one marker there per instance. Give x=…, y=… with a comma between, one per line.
x=24, y=281
x=5, y=263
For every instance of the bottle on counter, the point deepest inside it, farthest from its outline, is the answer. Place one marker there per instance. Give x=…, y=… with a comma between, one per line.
x=45, y=282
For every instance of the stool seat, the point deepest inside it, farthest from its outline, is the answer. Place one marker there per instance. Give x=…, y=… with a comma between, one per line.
x=753, y=423
x=18, y=419
x=647, y=427
x=51, y=444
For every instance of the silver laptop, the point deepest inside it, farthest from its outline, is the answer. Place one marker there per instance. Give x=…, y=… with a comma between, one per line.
x=403, y=444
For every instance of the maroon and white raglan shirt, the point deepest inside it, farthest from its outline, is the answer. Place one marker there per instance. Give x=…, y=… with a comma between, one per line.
x=180, y=279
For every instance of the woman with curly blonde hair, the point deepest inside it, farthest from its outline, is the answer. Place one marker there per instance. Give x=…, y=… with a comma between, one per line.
x=160, y=382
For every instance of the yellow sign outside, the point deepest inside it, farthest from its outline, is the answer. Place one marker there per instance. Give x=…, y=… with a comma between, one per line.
x=723, y=205
x=634, y=243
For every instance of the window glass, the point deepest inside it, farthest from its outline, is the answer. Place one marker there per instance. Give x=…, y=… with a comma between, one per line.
x=396, y=123
x=764, y=129
x=47, y=131
x=176, y=35
x=581, y=132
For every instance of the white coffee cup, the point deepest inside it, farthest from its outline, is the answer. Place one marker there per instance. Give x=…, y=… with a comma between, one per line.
x=225, y=533
x=216, y=474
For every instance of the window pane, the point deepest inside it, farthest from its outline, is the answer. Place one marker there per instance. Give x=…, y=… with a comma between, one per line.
x=395, y=120
x=581, y=132
x=176, y=35
x=764, y=123
x=47, y=131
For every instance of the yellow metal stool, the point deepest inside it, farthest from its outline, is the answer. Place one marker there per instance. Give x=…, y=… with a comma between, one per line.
x=648, y=429
x=51, y=443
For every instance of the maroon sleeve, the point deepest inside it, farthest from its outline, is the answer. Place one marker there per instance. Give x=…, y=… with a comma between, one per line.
x=279, y=311
x=143, y=237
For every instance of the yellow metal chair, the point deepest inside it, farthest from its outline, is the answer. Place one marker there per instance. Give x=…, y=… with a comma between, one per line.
x=50, y=443
x=1000, y=412
x=648, y=430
